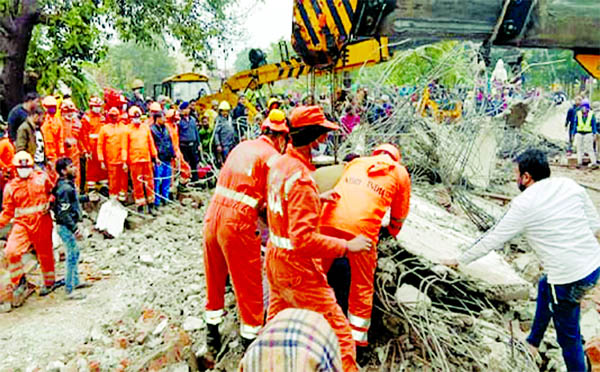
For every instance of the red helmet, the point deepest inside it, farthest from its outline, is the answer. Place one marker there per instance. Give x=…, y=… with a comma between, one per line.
x=276, y=122
x=390, y=150
x=305, y=116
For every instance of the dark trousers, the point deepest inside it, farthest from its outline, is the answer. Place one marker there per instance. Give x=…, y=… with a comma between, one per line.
x=561, y=303
x=189, y=150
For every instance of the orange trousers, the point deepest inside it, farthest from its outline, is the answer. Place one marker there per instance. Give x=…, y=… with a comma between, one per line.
x=362, y=277
x=19, y=241
x=142, y=177
x=232, y=246
x=289, y=290
x=117, y=181
x=94, y=172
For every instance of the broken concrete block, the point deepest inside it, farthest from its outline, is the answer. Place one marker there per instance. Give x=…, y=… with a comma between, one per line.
x=56, y=366
x=410, y=296
x=160, y=327
x=192, y=323
x=146, y=259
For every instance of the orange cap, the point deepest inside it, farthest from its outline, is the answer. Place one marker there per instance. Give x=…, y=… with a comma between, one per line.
x=276, y=122
x=388, y=149
x=305, y=116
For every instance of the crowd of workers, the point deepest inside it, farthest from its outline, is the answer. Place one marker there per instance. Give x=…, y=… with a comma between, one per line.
x=315, y=244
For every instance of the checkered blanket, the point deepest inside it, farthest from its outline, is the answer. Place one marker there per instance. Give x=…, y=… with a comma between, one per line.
x=295, y=340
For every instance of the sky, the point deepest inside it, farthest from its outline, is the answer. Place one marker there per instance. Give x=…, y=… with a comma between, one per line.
x=264, y=22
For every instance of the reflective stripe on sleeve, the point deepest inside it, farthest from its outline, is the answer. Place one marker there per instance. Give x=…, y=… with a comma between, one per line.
x=359, y=336
x=359, y=322
x=19, y=212
x=279, y=242
x=237, y=196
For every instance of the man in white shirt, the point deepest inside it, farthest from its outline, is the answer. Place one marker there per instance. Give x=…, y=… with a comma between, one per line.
x=563, y=227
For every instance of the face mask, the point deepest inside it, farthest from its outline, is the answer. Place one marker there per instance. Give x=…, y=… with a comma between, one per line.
x=124, y=107
x=24, y=172
x=96, y=109
x=135, y=120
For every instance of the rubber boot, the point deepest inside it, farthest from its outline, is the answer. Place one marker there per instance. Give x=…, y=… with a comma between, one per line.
x=213, y=338
x=362, y=355
x=246, y=342
x=140, y=209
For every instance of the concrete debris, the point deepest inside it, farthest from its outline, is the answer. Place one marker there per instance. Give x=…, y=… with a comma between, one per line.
x=410, y=296
x=192, y=324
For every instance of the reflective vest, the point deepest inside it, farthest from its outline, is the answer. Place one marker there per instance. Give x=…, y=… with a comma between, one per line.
x=584, y=126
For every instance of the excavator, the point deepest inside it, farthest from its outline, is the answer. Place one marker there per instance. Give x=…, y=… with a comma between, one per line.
x=331, y=36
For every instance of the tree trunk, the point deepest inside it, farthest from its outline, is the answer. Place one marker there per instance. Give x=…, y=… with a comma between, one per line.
x=15, y=36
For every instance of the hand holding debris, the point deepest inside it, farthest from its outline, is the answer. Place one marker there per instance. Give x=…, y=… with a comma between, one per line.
x=359, y=244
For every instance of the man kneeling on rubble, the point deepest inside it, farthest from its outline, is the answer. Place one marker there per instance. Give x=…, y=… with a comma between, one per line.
x=559, y=221
x=357, y=205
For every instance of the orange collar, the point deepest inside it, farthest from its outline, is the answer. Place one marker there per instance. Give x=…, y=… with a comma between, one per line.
x=306, y=160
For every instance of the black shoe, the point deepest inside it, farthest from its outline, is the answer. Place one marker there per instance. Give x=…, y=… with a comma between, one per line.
x=140, y=209
x=363, y=355
x=213, y=339
x=246, y=342
x=47, y=290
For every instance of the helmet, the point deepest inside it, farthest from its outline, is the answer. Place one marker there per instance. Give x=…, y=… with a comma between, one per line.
x=224, y=106
x=276, y=122
x=388, y=149
x=137, y=84
x=305, y=116
x=22, y=159
x=67, y=105
x=155, y=107
x=113, y=111
x=273, y=100
x=135, y=111
x=170, y=113
x=49, y=101
x=95, y=101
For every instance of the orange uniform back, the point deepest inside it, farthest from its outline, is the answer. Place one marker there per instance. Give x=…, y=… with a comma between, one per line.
x=367, y=188
x=139, y=144
x=54, y=137
x=7, y=152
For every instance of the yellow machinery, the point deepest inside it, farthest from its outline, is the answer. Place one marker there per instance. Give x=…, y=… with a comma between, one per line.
x=184, y=87
x=429, y=106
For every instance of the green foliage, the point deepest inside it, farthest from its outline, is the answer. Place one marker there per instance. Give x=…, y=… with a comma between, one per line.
x=128, y=61
x=565, y=71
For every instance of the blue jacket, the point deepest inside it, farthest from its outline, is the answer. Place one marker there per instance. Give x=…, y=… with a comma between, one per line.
x=225, y=135
x=162, y=140
x=188, y=131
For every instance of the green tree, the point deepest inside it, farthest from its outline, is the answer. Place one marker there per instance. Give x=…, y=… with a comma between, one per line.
x=128, y=61
x=60, y=34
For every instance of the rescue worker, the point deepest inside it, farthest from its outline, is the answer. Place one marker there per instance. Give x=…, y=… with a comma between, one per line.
x=586, y=129
x=111, y=144
x=26, y=203
x=181, y=170
x=212, y=113
x=189, y=144
x=7, y=170
x=93, y=121
x=163, y=170
x=273, y=103
x=231, y=244
x=296, y=247
x=225, y=137
x=76, y=141
x=140, y=154
x=53, y=132
x=368, y=188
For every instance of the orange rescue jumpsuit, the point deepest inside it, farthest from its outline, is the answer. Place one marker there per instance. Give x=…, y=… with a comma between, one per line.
x=231, y=243
x=7, y=152
x=76, y=144
x=27, y=203
x=111, y=142
x=54, y=138
x=138, y=152
x=92, y=123
x=296, y=247
x=367, y=188
x=180, y=167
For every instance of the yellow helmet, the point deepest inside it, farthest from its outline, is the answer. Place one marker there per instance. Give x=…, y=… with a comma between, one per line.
x=137, y=84
x=22, y=159
x=224, y=106
x=272, y=101
x=276, y=122
x=155, y=107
